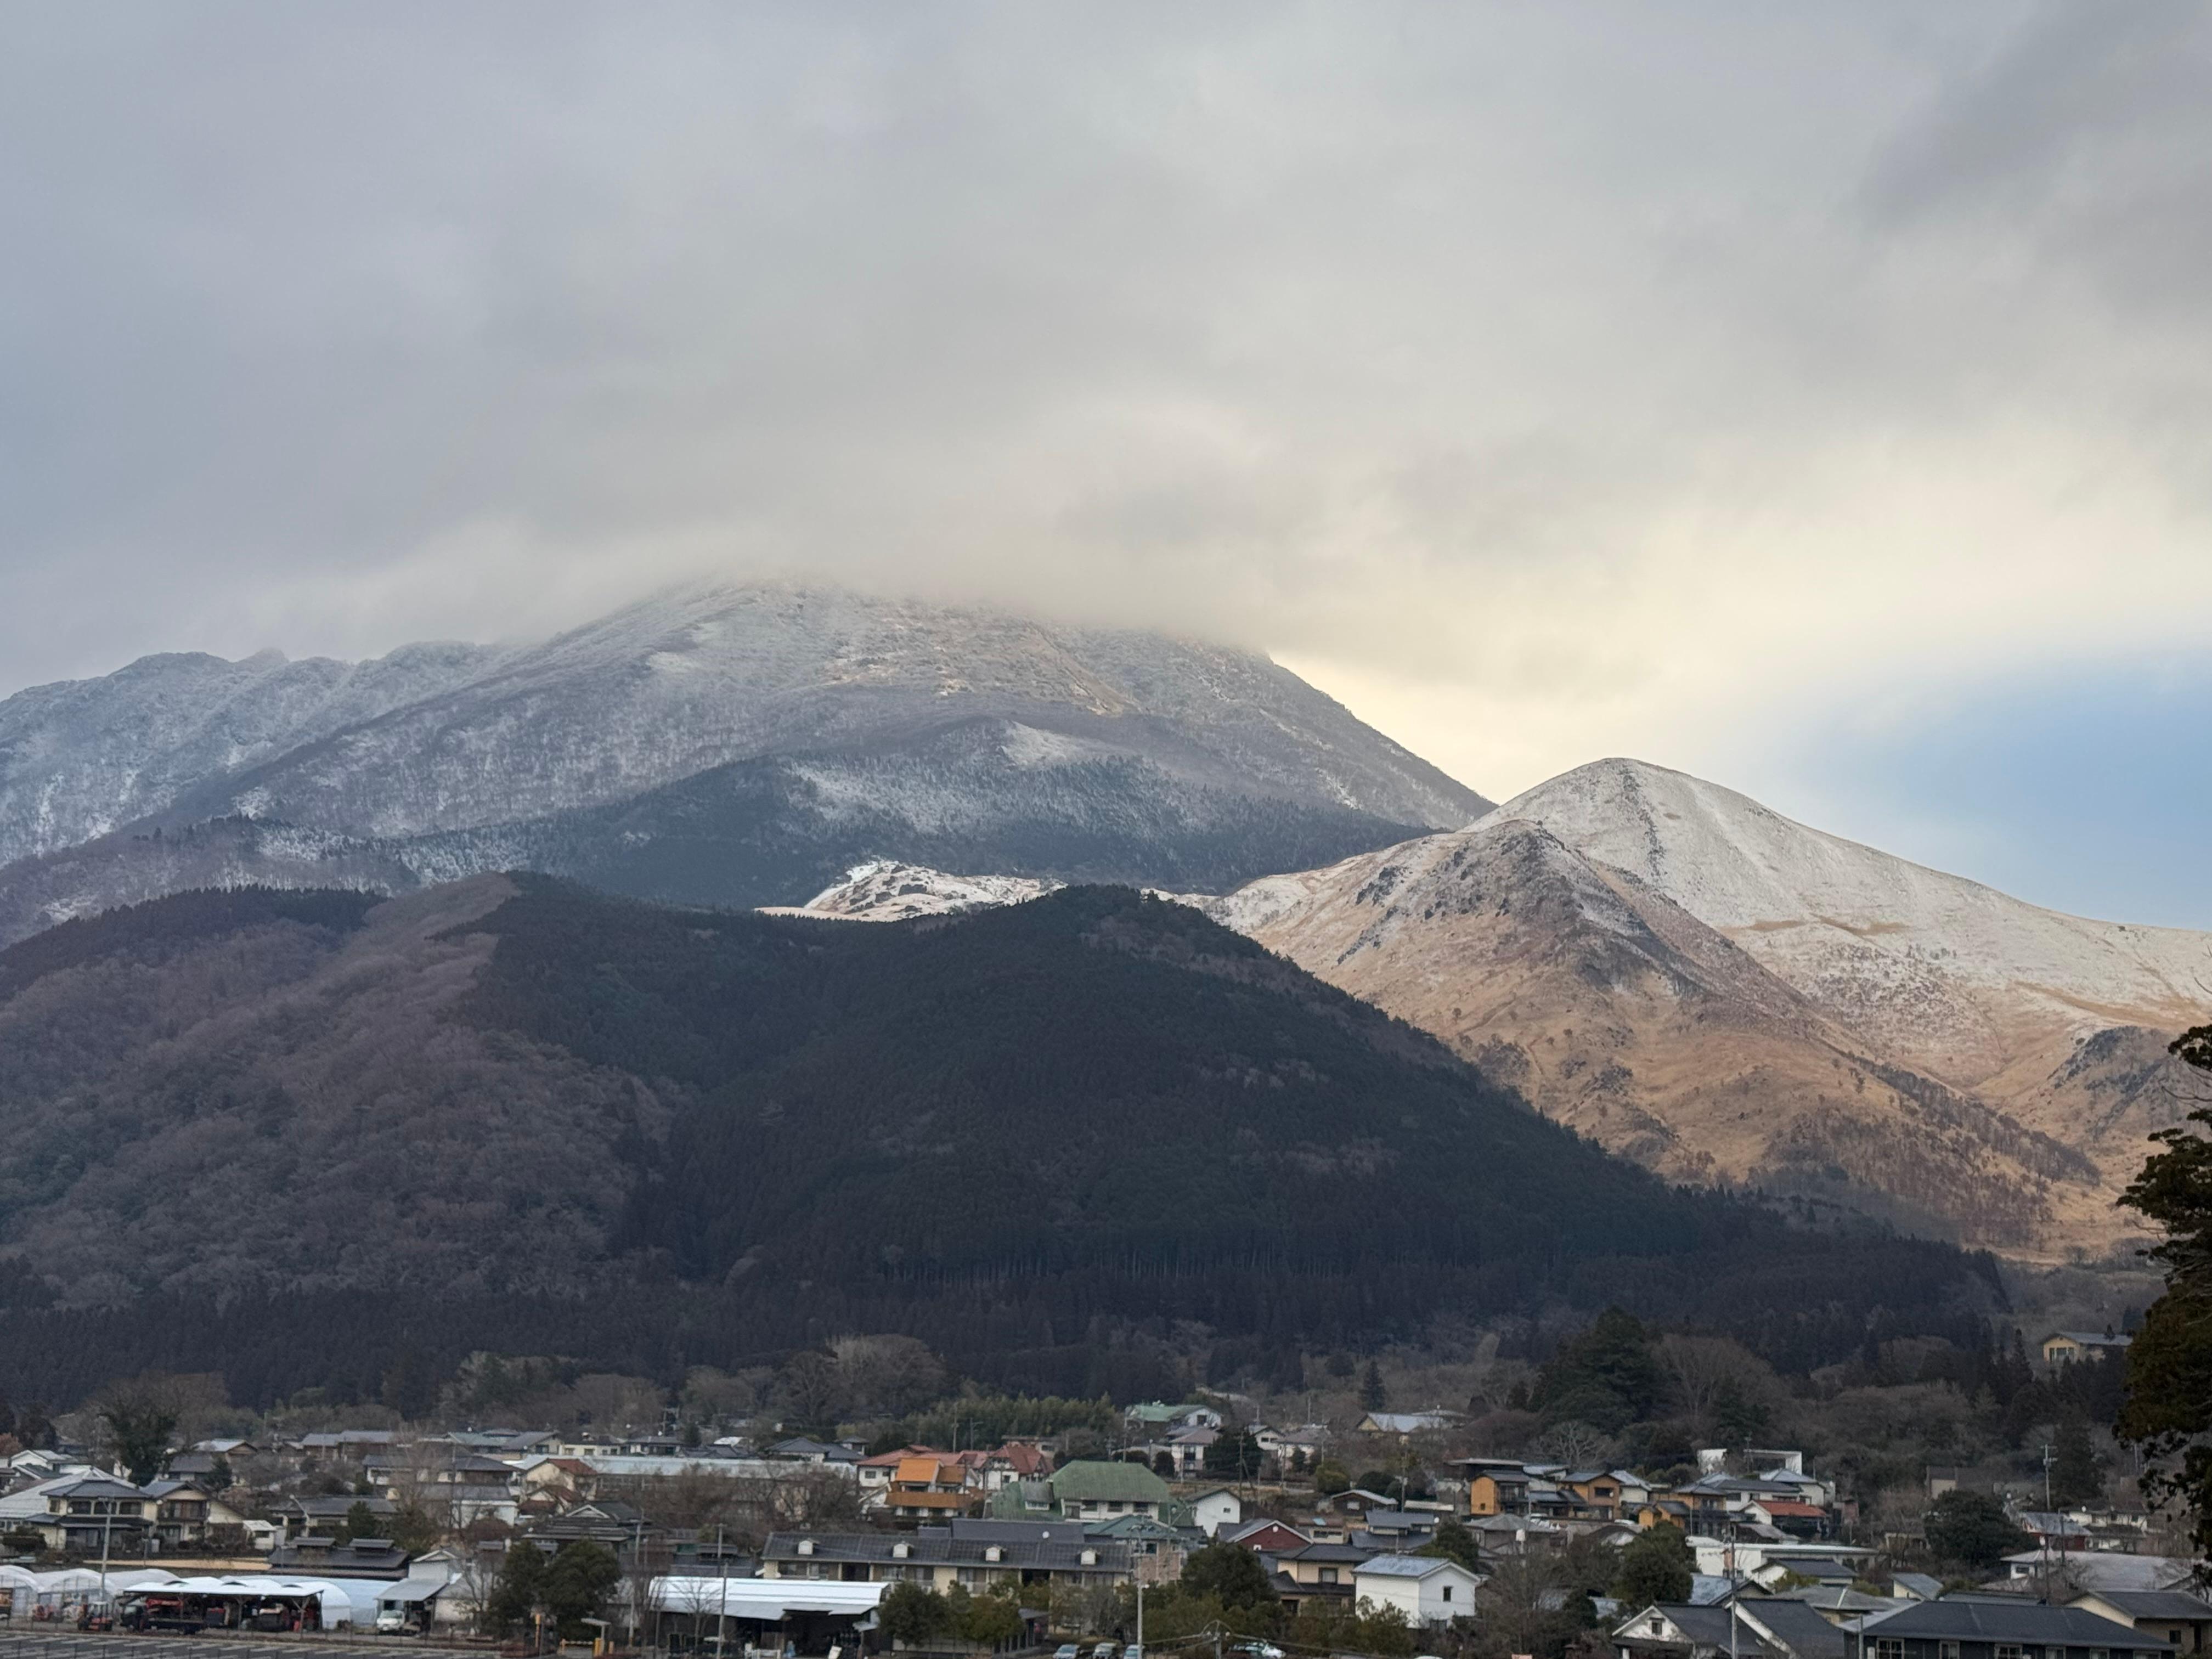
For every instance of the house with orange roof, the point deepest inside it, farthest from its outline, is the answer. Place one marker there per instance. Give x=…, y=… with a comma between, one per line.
x=930, y=1487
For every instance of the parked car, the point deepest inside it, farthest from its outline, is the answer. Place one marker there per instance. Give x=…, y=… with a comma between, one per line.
x=1107, y=1650
x=1257, y=1650
x=1067, y=1651
x=392, y=1622
x=1133, y=1651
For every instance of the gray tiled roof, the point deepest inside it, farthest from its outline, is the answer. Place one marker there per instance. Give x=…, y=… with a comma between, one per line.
x=934, y=1546
x=2023, y=1621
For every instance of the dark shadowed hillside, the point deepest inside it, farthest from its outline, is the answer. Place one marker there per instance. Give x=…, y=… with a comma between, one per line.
x=655, y=1136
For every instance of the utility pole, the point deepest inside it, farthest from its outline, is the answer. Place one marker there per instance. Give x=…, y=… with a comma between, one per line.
x=106, y=1534
x=722, y=1605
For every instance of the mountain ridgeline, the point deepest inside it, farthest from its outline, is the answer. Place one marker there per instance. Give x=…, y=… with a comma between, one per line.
x=303, y=1137
x=734, y=745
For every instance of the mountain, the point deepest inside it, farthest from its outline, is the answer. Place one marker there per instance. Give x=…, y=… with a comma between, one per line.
x=720, y=744
x=1726, y=995
x=2057, y=1021
x=294, y=1135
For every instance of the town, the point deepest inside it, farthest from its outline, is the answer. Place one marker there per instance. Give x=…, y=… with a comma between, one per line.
x=1184, y=1527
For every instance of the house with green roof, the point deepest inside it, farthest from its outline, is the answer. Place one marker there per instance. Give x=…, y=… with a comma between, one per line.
x=1100, y=1490
x=1091, y=1490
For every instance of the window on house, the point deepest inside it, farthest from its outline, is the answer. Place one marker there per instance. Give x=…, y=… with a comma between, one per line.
x=1888, y=1648
x=1329, y=1575
x=1947, y=1649
x=2009, y=1651
x=1448, y=1590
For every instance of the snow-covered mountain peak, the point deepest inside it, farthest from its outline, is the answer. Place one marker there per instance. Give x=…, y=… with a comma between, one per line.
x=887, y=890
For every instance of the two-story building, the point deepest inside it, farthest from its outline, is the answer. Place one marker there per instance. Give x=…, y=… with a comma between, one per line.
x=1427, y=1588
x=1316, y=1572
x=94, y=1515
x=187, y=1516
x=976, y=1555
x=928, y=1487
x=1088, y=1491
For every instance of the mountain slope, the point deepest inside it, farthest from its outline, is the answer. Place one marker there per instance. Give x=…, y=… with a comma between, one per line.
x=1617, y=1012
x=726, y=745
x=622, y=1127
x=1724, y=994
x=2060, y=1022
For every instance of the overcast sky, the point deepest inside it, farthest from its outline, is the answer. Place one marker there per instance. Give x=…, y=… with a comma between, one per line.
x=1816, y=398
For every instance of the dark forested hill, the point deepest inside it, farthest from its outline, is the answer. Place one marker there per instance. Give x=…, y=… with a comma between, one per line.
x=294, y=1136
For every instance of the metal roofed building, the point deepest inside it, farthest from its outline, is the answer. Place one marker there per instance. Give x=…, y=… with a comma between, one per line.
x=2101, y=1570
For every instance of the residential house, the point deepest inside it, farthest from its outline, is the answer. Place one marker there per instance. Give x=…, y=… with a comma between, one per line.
x=1286, y=1446
x=1398, y=1530
x=2176, y=1616
x=1517, y=1534
x=874, y=1473
x=1321, y=1572
x=1210, y=1511
x=1017, y=1460
x=1156, y=1550
x=1427, y=1588
x=342, y=1448
x=2053, y=1531
x=2064, y=1347
x=1087, y=1491
x=1268, y=1535
x=1596, y=1493
x=1156, y=1418
x=929, y=1487
x=541, y=1474
x=976, y=1556
x=93, y=1515
x=187, y=1516
x=604, y=1520
x=1187, y=1448
x=1494, y=1486
x=1992, y=1627
x=1729, y=1625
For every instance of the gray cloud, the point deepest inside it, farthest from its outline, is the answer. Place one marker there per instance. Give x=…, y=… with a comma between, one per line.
x=1546, y=379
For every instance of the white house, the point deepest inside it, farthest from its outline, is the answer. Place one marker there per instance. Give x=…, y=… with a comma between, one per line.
x=1427, y=1588
x=1212, y=1510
